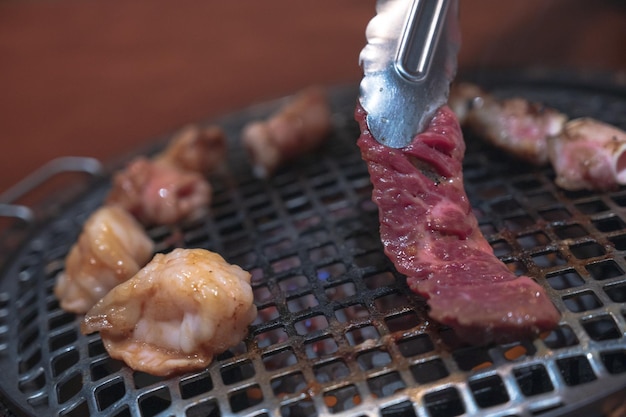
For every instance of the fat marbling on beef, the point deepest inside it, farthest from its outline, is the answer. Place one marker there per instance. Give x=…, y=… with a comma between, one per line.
x=431, y=235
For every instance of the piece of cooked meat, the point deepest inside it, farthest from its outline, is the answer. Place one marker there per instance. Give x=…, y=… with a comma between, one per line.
x=431, y=235
x=158, y=193
x=299, y=126
x=196, y=149
x=462, y=99
x=111, y=248
x=515, y=125
x=589, y=154
x=176, y=313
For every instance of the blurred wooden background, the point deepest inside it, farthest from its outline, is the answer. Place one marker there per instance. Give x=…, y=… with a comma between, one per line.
x=101, y=78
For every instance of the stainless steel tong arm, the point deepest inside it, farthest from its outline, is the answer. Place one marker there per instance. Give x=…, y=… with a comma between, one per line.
x=408, y=64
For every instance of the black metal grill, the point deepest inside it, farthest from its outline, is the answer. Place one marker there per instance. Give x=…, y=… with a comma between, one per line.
x=338, y=331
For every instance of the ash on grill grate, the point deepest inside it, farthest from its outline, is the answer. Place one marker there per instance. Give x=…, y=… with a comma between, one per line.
x=338, y=331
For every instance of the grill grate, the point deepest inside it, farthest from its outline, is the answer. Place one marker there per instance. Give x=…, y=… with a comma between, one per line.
x=338, y=331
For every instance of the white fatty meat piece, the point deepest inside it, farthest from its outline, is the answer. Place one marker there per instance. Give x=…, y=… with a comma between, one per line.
x=111, y=248
x=176, y=313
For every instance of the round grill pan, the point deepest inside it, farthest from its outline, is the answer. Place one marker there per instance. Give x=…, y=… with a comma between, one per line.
x=338, y=332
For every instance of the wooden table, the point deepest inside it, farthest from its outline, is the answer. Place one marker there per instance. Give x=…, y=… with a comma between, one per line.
x=101, y=78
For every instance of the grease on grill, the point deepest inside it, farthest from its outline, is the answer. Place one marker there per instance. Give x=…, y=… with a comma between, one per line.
x=338, y=330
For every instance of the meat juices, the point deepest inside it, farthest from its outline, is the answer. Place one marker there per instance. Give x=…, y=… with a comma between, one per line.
x=111, y=248
x=300, y=126
x=158, y=193
x=431, y=235
x=589, y=154
x=176, y=313
x=515, y=125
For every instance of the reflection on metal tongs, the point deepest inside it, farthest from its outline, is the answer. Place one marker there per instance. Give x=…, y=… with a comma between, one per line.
x=408, y=64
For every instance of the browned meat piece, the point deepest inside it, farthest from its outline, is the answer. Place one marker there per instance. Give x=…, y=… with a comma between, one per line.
x=111, y=248
x=589, y=154
x=196, y=149
x=158, y=193
x=176, y=313
x=585, y=153
x=300, y=126
x=515, y=125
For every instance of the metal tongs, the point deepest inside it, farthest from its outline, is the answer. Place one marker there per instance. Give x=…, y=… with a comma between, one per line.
x=408, y=64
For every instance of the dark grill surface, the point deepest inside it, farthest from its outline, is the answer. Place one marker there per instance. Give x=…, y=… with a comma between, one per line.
x=338, y=331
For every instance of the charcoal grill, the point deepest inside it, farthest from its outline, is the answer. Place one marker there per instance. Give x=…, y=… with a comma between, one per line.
x=338, y=331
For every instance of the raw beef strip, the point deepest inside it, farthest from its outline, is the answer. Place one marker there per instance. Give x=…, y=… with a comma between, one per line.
x=431, y=235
